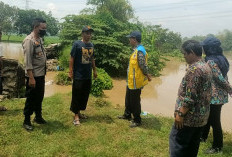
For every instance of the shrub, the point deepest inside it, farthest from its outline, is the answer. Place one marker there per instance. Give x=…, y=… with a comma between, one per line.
x=155, y=64
x=62, y=78
x=108, y=84
x=102, y=82
x=65, y=57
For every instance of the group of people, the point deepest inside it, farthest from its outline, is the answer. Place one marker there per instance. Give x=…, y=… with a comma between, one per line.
x=202, y=92
x=81, y=65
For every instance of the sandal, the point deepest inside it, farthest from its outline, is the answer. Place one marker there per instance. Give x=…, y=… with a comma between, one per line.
x=76, y=122
x=82, y=116
x=2, y=108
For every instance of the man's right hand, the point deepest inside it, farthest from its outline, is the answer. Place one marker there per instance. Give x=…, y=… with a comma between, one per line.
x=32, y=82
x=70, y=74
x=149, y=77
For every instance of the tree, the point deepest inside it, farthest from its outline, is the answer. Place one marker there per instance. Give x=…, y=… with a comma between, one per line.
x=111, y=53
x=119, y=9
x=8, y=17
x=25, y=18
x=226, y=40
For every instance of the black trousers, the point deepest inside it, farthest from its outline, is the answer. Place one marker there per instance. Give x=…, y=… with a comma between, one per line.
x=34, y=97
x=0, y=85
x=214, y=121
x=80, y=95
x=184, y=142
x=132, y=104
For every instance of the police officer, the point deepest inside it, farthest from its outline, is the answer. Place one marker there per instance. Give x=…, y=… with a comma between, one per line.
x=35, y=69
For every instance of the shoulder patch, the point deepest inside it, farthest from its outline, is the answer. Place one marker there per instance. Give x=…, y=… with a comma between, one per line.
x=142, y=49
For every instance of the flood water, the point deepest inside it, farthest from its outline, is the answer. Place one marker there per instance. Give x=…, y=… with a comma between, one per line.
x=11, y=50
x=157, y=98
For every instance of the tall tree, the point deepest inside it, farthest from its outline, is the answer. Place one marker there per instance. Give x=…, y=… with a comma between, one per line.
x=8, y=16
x=119, y=9
x=25, y=18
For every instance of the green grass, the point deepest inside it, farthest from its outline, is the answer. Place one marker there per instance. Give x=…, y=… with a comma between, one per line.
x=20, y=38
x=102, y=134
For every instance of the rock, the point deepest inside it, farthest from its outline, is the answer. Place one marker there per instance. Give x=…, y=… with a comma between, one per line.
x=52, y=51
x=13, y=78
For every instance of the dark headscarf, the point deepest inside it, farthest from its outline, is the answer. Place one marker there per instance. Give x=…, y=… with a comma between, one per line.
x=213, y=51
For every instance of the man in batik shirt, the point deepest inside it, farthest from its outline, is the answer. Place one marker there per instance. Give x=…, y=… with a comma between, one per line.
x=192, y=104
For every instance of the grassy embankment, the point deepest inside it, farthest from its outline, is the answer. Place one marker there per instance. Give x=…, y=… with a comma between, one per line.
x=100, y=135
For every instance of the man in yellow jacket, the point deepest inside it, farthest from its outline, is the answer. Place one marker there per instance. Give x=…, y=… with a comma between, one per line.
x=137, y=78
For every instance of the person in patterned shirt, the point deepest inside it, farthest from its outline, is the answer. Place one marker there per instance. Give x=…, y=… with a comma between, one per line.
x=192, y=104
x=220, y=87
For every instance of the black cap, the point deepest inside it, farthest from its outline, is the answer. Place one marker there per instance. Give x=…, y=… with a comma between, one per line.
x=136, y=35
x=87, y=28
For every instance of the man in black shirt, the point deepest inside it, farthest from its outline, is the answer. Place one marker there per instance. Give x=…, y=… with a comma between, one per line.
x=80, y=70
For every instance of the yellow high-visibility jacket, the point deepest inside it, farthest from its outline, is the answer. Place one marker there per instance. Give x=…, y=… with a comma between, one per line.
x=135, y=77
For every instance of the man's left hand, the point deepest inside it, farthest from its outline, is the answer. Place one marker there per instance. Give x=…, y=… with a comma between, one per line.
x=94, y=74
x=179, y=122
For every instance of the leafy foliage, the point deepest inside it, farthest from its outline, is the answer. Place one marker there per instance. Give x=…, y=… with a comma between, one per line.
x=25, y=18
x=65, y=57
x=111, y=54
x=17, y=21
x=62, y=78
x=102, y=82
x=108, y=84
x=119, y=9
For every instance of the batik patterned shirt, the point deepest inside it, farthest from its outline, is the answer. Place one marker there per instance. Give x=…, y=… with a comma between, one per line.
x=195, y=94
x=220, y=85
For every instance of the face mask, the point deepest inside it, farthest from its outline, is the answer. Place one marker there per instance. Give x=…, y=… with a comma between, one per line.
x=42, y=32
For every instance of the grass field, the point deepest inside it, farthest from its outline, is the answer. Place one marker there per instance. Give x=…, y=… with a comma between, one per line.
x=101, y=135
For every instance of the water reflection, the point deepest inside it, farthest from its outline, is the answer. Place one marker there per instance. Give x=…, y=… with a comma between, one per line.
x=11, y=50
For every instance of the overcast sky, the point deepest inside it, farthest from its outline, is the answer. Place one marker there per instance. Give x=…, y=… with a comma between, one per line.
x=187, y=17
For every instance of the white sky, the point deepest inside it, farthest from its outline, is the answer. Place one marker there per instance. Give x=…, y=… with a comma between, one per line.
x=188, y=17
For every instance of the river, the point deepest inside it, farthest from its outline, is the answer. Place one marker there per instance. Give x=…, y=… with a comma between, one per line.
x=157, y=98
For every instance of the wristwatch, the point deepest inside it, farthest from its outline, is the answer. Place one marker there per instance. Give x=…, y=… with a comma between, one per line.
x=180, y=114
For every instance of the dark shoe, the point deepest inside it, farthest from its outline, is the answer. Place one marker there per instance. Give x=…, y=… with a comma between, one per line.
x=134, y=124
x=213, y=151
x=124, y=117
x=28, y=126
x=39, y=120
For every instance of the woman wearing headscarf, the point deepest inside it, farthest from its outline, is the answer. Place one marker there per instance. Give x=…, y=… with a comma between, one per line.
x=220, y=89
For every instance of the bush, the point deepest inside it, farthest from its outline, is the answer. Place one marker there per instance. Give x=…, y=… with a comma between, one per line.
x=65, y=57
x=108, y=83
x=102, y=82
x=155, y=65
x=62, y=78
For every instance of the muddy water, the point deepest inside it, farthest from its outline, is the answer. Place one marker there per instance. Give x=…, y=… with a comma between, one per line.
x=51, y=88
x=158, y=97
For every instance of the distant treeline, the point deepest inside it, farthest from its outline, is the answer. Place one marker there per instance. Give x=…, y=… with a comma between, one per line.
x=224, y=36
x=17, y=21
